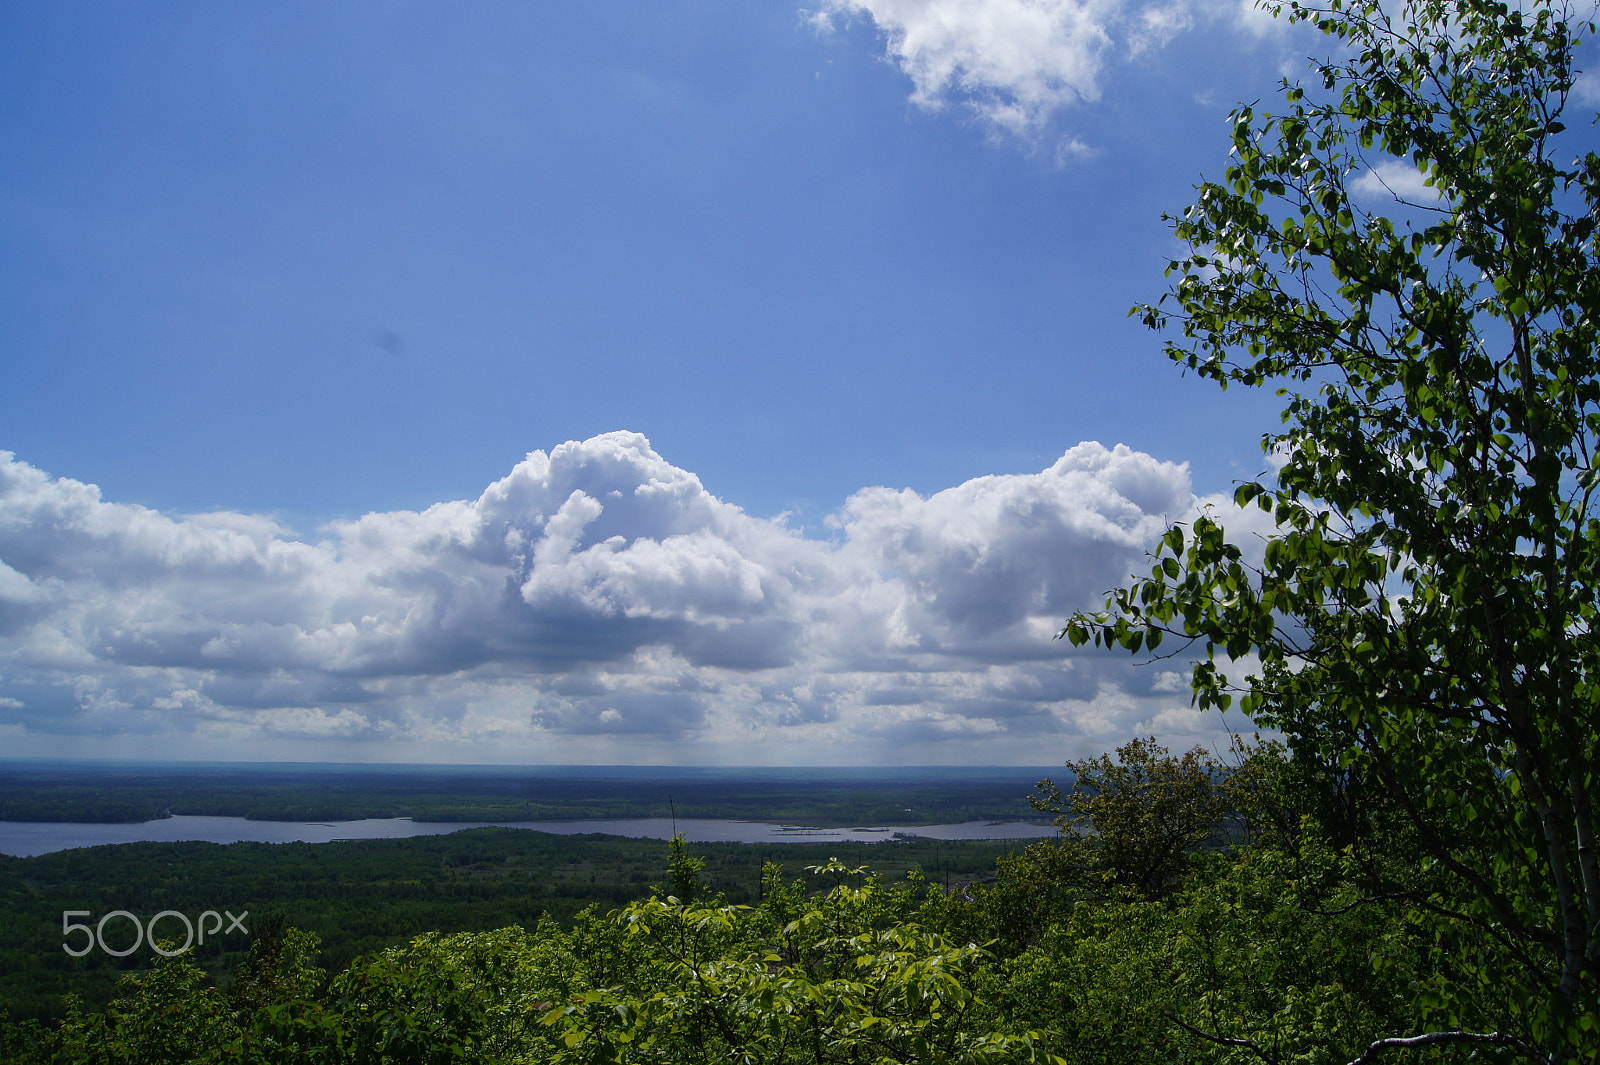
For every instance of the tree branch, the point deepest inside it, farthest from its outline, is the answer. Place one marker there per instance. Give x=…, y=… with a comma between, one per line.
x=1432, y=1039
x=1222, y=1040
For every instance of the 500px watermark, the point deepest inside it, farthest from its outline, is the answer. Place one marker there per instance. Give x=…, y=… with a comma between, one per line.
x=95, y=935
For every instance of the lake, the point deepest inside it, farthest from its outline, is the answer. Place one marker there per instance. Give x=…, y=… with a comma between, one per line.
x=24, y=839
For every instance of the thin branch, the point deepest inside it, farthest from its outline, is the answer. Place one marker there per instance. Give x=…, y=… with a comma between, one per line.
x=1358, y=902
x=1222, y=1040
x=1432, y=1039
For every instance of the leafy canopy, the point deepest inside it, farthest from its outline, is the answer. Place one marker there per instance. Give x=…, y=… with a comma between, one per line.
x=1133, y=821
x=1407, y=252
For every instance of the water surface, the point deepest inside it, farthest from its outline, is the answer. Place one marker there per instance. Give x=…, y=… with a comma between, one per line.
x=24, y=839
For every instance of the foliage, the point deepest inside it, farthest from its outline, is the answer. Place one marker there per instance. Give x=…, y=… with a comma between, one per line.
x=688, y=871
x=167, y=1016
x=1252, y=951
x=362, y=896
x=1260, y=946
x=1423, y=616
x=1131, y=825
x=1134, y=821
x=279, y=966
x=844, y=976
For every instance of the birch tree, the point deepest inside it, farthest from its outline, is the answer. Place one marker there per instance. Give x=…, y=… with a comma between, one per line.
x=1405, y=248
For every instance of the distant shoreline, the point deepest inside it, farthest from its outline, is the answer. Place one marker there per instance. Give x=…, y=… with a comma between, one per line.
x=22, y=839
x=131, y=793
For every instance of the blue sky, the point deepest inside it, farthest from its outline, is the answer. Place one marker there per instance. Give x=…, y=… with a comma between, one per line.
x=602, y=382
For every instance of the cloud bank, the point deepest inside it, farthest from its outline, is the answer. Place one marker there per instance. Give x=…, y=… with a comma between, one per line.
x=596, y=604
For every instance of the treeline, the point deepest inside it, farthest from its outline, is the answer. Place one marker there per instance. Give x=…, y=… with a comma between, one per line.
x=1130, y=943
x=131, y=794
x=359, y=897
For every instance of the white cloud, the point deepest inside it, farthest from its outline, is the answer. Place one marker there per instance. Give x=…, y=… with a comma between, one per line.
x=597, y=603
x=1586, y=88
x=1018, y=60
x=1016, y=63
x=1255, y=17
x=1158, y=24
x=1394, y=179
x=974, y=563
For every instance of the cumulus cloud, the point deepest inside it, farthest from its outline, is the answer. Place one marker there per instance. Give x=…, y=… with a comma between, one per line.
x=1016, y=63
x=596, y=603
x=1018, y=60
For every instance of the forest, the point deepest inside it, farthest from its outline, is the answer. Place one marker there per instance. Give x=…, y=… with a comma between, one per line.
x=1141, y=933
x=362, y=896
x=1404, y=867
